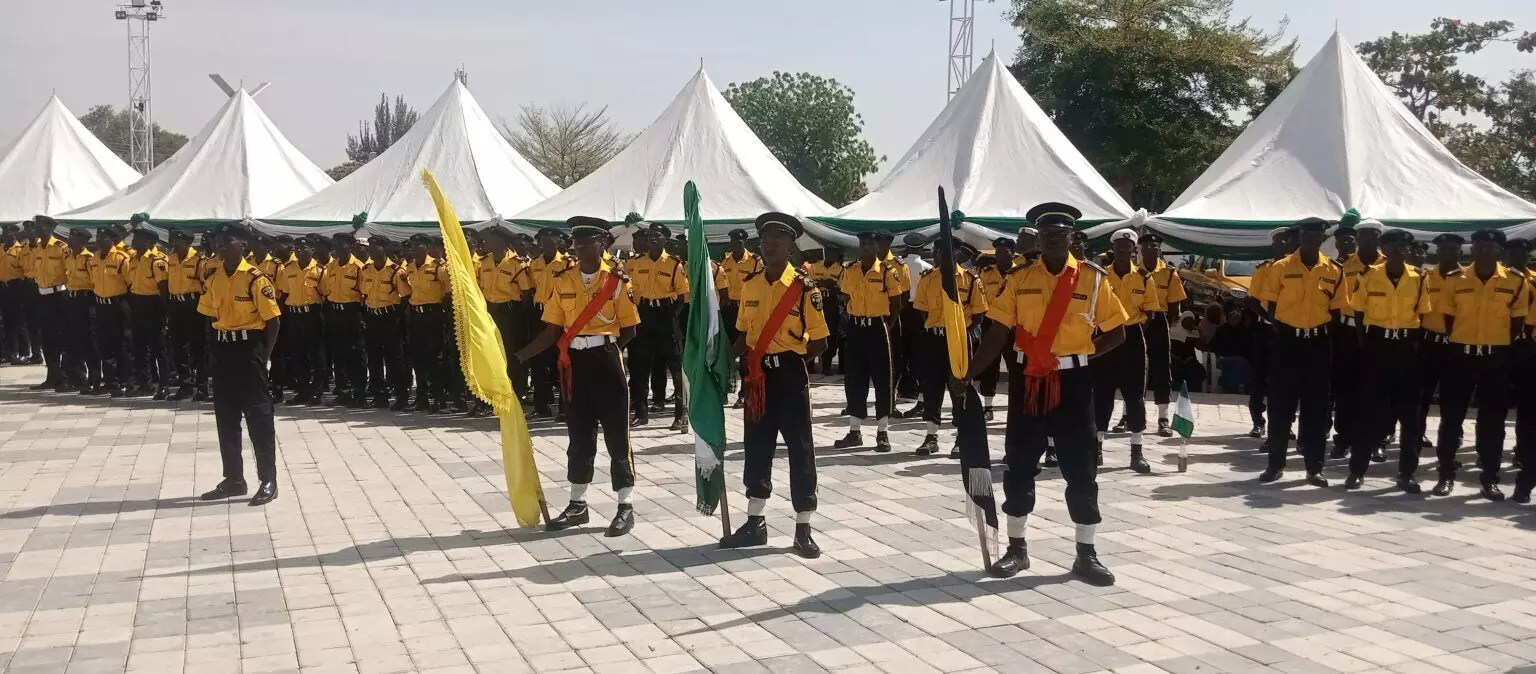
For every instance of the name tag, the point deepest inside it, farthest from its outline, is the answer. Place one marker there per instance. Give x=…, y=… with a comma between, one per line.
x=1293, y=276
x=752, y=303
x=1376, y=294
x=1506, y=291
x=567, y=296
x=1079, y=296
x=1464, y=290
x=1138, y=292
x=1031, y=291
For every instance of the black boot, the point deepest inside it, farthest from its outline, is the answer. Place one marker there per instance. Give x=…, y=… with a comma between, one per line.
x=1444, y=487
x=623, y=521
x=1050, y=458
x=639, y=420
x=853, y=439
x=575, y=515
x=227, y=489
x=1120, y=427
x=1088, y=568
x=1521, y=495
x=805, y=546
x=930, y=446
x=1378, y=455
x=882, y=442
x=1139, y=462
x=750, y=534
x=1354, y=481
x=1014, y=560
x=1492, y=493
x=1164, y=429
x=679, y=424
x=1408, y=484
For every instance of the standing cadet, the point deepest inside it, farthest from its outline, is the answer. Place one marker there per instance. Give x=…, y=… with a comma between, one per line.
x=541, y=272
x=298, y=289
x=1346, y=352
x=934, y=347
x=1485, y=310
x=734, y=266
x=826, y=275
x=341, y=286
x=660, y=283
x=1302, y=294
x=502, y=277
x=82, y=367
x=1389, y=299
x=109, y=280
x=50, y=262
x=425, y=282
x=994, y=272
x=907, y=331
x=243, y=305
x=1124, y=370
x=147, y=288
x=1169, y=301
x=872, y=294
x=1282, y=242
x=781, y=330
x=591, y=316
x=12, y=297
x=184, y=325
x=1050, y=312
x=380, y=284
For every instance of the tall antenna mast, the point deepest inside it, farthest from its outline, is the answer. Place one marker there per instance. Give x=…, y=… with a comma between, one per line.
x=962, y=39
x=138, y=14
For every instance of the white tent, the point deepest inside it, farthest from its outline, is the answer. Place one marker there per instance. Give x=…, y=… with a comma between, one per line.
x=1336, y=138
x=478, y=170
x=699, y=138
x=996, y=154
x=238, y=166
x=55, y=165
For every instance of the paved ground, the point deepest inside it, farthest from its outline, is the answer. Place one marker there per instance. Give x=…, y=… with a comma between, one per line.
x=388, y=551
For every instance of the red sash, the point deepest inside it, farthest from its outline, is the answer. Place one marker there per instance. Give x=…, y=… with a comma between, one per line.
x=757, y=381
x=610, y=283
x=1042, y=383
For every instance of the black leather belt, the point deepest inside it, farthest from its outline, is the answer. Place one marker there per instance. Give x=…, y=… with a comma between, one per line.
x=1302, y=333
x=1480, y=349
x=426, y=308
x=235, y=335
x=108, y=300
x=381, y=312
x=300, y=310
x=1390, y=333
x=187, y=297
x=867, y=321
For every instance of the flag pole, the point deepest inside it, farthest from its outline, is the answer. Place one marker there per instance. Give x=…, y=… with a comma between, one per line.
x=1183, y=455
x=725, y=505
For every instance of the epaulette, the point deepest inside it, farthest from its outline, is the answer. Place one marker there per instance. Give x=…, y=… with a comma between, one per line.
x=1455, y=272
x=752, y=275
x=847, y=265
x=1095, y=266
x=1145, y=273
x=1021, y=266
x=927, y=271
x=1264, y=264
x=256, y=273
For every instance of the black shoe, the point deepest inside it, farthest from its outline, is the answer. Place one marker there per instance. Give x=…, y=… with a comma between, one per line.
x=575, y=515
x=1378, y=456
x=1139, y=462
x=357, y=403
x=1408, y=484
x=1339, y=451
x=424, y=404
x=752, y=533
x=200, y=396
x=1088, y=568
x=805, y=546
x=542, y=413
x=1354, y=481
x=277, y=397
x=915, y=413
x=930, y=446
x=988, y=414
x=1317, y=480
x=40, y=386
x=1050, y=459
x=1492, y=493
x=1270, y=475
x=143, y=391
x=853, y=439
x=658, y=406
x=1120, y=427
x=882, y=442
x=97, y=390
x=265, y=493
x=181, y=394
x=623, y=521
x=298, y=400
x=1521, y=495
x=400, y=405
x=741, y=401
x=117, y=392
x=679, y=424
x=1443, y=487
x=1257, y=431
x=954, y=452
x=638, y=421
x=1014, y=560
x=35, y=360
x=381, y=403
x=1164, y=429
x=458, y=407
x=161, y=393
x=226, y=489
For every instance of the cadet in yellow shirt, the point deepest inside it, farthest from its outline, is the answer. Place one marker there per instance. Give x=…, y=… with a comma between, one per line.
x=777, y=347
x=541, y=267
x=660, y=282
x=380, y=282
x=933, y=338
x=1282, y=242
x=185, y=327
x=1169, y=302
x=146, y=304
x=826, y=273
x=1303, y=293
x=242, y=303
x=426, y=286
x=298, y=292
x=109, y=280
x=505, y=278
x=1054, y=397
x=1435, y=353
x=1123, y=371
x=872, y=296
x=1389, y=298
x=49, y=271
x=81, y=363
x=1485, y=310
x=341, y=286
x=1361, y=237
x=591, y=314
x=734, y=267
x=994, y=272
x=14, y=345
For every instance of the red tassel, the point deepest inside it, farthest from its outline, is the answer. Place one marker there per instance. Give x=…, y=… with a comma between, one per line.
x=565, y=370
x=757, y=390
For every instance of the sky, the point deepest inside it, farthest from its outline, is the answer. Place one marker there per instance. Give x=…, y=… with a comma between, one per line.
x=329, y=60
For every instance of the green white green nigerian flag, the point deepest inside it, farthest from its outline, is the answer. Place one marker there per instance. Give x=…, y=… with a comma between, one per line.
x=706, y=362
x=1184, y=413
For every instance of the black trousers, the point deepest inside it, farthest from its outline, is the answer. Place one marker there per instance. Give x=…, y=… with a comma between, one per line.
x=906, y=335
x=188, y=350
x=542, y=369
x=241, y=390
x=1071, y=426
x=786, y=413
x=832, y=310
x=993, y=371
x=599, y=399
x=48, y=315
x=1485, y=379
x=1389, y=395
x=113, y=341
x=303, y=339
x=655, y=351
x=148, y=315
x=382, y=335
x=31, y=304
x=426, y=328
x=508, y=321
x=1434, y=358
x=82, y=365
x=1299, y=384
x=1346, y=384
x=933, y=375
x=729, y=310
x=1524, y=394
x=453, y=372
x=1262, y=360
x=868, y=357
x=1159, y=365
x=344, y=344
x=13, y=319
x=1123, y=371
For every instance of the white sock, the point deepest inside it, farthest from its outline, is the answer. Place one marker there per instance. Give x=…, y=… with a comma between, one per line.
x=988, y=400
x=933, y=427
x=1101, y=435
x=853, y=424
x=755, y=506
x=1016, y=525
x=883, y=424
x=579, y=493
x=1085, y=533
x=1136, y=438
x=805, y=517
x=624, y=495
x=1162, y=411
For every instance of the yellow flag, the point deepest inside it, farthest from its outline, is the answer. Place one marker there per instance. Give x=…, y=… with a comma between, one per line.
x=485, y=363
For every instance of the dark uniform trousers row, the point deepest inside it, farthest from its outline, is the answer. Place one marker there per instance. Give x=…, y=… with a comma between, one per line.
x=301, y=340
x=1124, y=371
x=868, y=364
x=1159, y=369
x=787, y=415
x=188, y=341
x=1388, y=397
x=832, y=310
x=1481, y=375
x=509, y=319
x=933, y=373
x=382, y=341
x=81, y=364
x=16, y=326
x=1299, y=379
x=241, y=390
x=427, y=329
x=655, y=351
x=906, y=337
x=112, y=340
x=1346, y=384
x=147, y=313
x=542, y=369
x=50, y=314
x=599, y=399
x=1071, y=425
x=343, y=335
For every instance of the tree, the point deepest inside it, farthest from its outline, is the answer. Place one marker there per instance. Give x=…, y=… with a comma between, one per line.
x=111, y=126
x=389, y=125
x=1422, y=68
x=566, y=144
x=343, y=169
x=810, y=124
x=1150, y=92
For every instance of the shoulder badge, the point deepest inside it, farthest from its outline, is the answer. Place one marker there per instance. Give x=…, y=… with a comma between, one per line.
x=927, y=271
x=268, y=292
x=1095, y=266
x=815, y=297
x=752, y=275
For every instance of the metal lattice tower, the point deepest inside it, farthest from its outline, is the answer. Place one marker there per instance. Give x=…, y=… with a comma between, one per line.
x=962, y=39
x=139, y=14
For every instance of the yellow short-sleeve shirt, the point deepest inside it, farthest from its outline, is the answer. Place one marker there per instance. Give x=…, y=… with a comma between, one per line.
x=570, y=294
x=1304, y=297
x=1137, y=292
x=300, y=284
x=1170, y=287
x=663, y=278
x=380, y=285
x=244, y=300
x=1481, y=311
x=1027, y=292
x=870, y=290
x=146, y=271
x=78, y=270
x=804, y=323
x=736, y=271
x=426, y=283
x=183, y=272
x=1393, y=306
x=970, y=291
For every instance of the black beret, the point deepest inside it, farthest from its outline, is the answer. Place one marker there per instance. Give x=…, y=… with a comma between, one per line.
x=1054, y=213
x=344, y=237
x=1493, y=235
x=1522, y=244
x=180, y=235
x=499, y=232
x=80, y=232
x=1448, y=239
x=46, y=221
x=968, y=249
x=237, y=232
x=377, y=240
x=582, y=225
x=739, y=234
x=663, y=230
x=1003, y=242
x=886, y=235
x=915, y=240
x=1150, y=236
x=779, y=221
x=550, y=231
x=1396, y=236
x=871, y=236
x=1312, y=225
x=147, y=234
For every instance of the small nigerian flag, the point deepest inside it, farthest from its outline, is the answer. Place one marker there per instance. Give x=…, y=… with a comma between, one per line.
x=1184, y=413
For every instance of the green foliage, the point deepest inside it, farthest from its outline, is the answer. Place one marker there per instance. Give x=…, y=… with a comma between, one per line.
x=389, y=125
x=810, y=124
x=1150, y=92
x=343, y=169
x=111, y=126
x=564, y=143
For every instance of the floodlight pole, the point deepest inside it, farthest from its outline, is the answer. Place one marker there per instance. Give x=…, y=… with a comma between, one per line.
x=962, y=40
x=139, y=14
